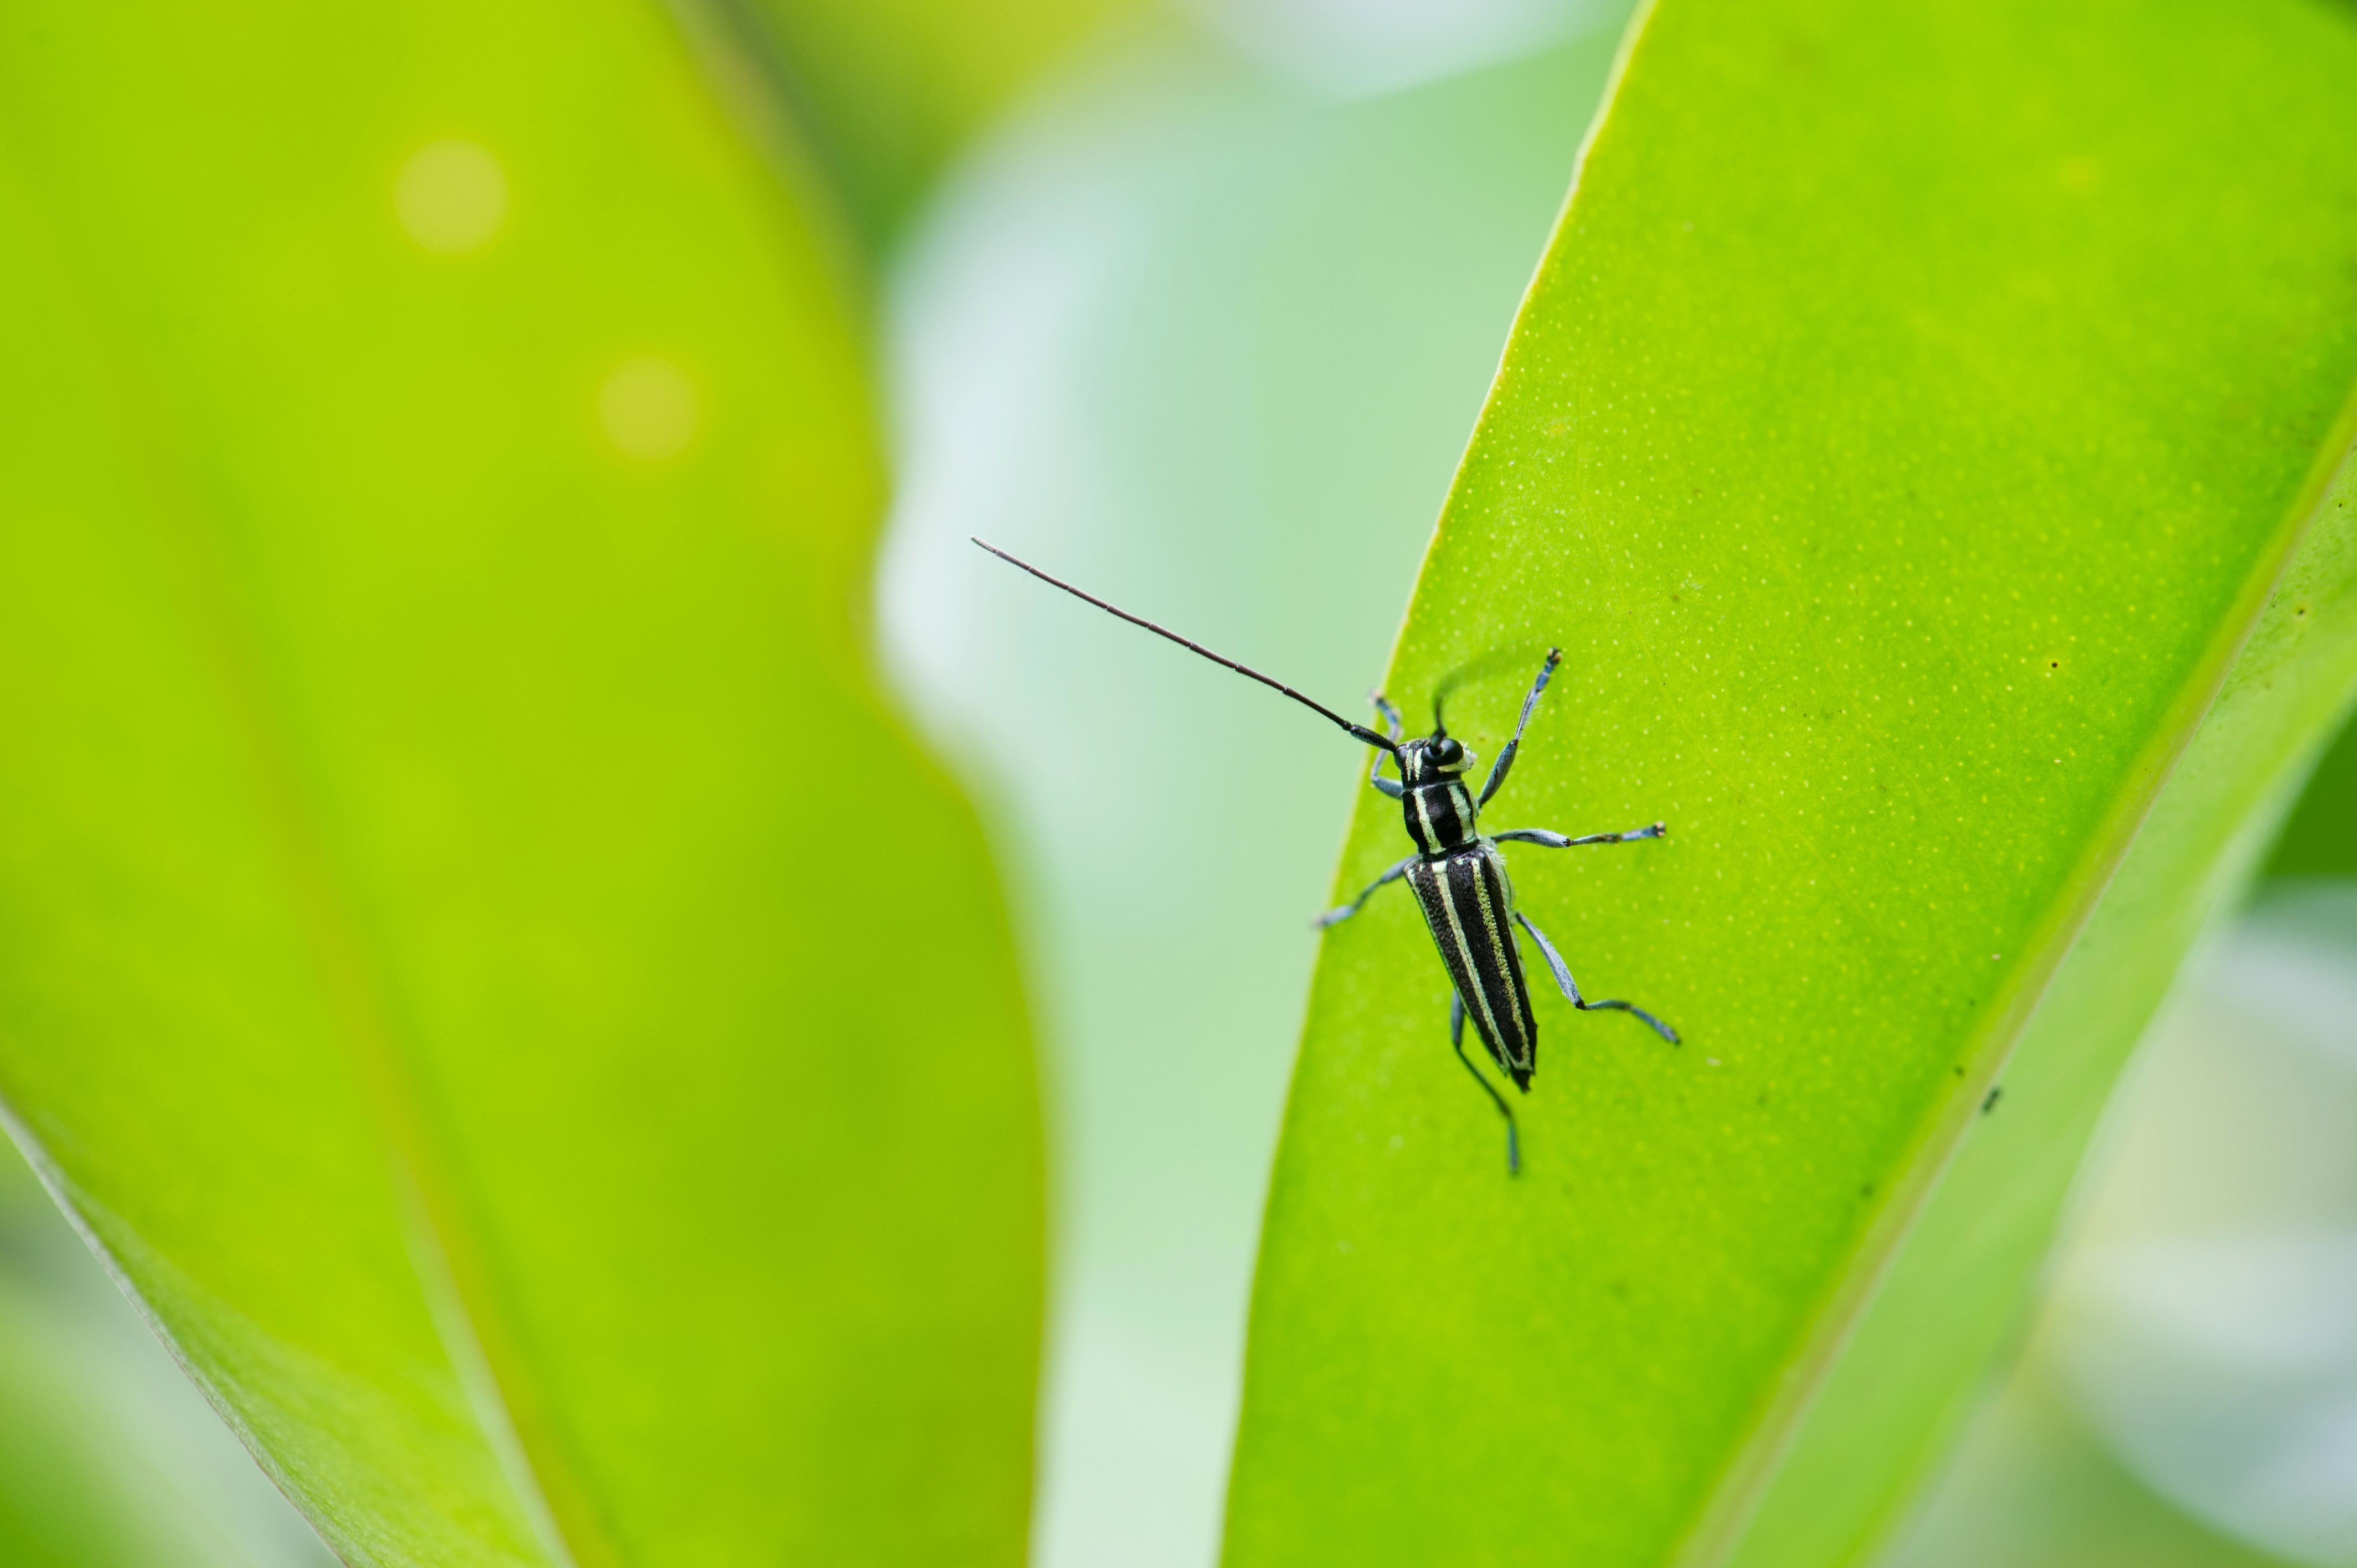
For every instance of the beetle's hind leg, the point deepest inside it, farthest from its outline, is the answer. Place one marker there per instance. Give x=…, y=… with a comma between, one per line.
x=1571, y=987
x=1457, y=1043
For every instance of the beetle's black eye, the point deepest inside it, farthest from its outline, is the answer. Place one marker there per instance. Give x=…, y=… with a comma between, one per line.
x=1449, y=752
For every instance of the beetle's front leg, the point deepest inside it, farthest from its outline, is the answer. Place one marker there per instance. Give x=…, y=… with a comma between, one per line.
x=1556, y=840
x=1498, y=769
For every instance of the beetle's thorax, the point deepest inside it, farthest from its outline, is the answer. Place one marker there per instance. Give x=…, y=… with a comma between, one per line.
x=1440, y=815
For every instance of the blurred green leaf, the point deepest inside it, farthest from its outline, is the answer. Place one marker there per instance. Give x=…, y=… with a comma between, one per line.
x=474, y=950
x=2194, y=1319
x=2035, y=1488
x=107, y=1455
x=885, y=91
x=1917, y=437
x=2320, y=839
x=58, y=1504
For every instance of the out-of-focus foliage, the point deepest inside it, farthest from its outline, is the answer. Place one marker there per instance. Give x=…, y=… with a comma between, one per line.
x=109, y=1458
x=2035, y=1488
x=1917, y=437
x=2195, y=1357
x=2201, y=1318
x=474, y=950
x=2320, y=839
x=886, y=90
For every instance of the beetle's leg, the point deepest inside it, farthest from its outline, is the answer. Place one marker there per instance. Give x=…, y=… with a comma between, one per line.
x=1457, y=1044
x=1557, y=840
x=1506, y=758
x=1391, y=786
x=1334, y=917
x=1571, y=987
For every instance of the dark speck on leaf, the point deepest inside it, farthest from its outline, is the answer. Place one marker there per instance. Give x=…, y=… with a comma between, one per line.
x=1990, y=1103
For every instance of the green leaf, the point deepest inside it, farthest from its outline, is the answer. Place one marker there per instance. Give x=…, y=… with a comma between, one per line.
x=107, y=1455
x=2166, y=1376
x=1917, y=437
x=2037, y=1489
x=61, y=1492
x=876, y=97
x=1953, y=1300
x=476, y=954
x=2320, y=839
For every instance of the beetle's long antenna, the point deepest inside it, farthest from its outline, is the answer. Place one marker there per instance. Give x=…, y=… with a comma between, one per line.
x=1356, y=732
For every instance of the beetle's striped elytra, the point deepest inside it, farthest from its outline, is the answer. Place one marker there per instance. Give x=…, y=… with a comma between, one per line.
x=1457, y=873
x=1469, y=904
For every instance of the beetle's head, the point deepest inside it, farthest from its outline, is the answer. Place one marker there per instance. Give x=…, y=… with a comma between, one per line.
x=1433, y=757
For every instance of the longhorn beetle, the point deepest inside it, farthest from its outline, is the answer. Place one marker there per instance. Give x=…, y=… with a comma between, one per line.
x=1458, y=874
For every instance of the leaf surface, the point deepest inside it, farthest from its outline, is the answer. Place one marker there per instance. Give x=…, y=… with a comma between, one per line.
x=476, y=955
x=1921, y=437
